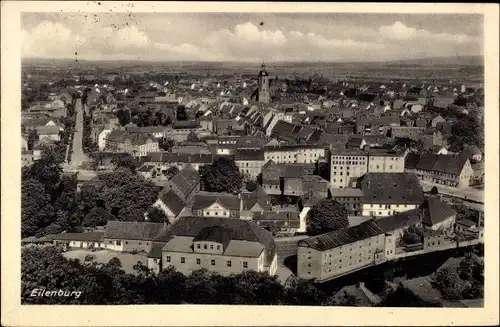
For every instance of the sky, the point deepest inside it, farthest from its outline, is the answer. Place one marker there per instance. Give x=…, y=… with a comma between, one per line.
x=339, y=37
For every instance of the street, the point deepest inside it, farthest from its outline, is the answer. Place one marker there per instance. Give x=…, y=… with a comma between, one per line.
x=78, y=157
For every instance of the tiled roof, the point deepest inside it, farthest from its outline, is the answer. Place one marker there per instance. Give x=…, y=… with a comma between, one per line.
x=172, y=201
x=450, y=164
x=411, y=160
x=47, y=130
x=249, y=199
x=274, y=219
x=91, y=236
x=181, y=124
x=435, y=211
x=186, y=179
x=123, y=136
x=398, y=221
x=155, y=251
x=132, y=230
x=171, y=157
x=242, y=230
x=249, y=155
x=343, y=236
x=205, y=199
x=391, y=188
x=346, y=192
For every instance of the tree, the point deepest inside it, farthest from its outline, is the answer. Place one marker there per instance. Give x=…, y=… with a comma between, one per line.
x=326, y=216
x=97, y=216
x=251, y=186
x=125, y=161
x=449, y=284
x=156, y=215
x=221, y=176
x=346, y=300
x=115, y=262
x=181, y=113
x=166, y=144
x=171, y=171
x=123, y=116
x=302, y=292
x=412, y=235
x=47, y=170
x=34, y=201
x=32, y=139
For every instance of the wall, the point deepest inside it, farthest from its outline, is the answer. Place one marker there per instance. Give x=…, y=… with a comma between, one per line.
x=308, y=263
x=220, y=267
x=384, y=210
x=345, y=167
x=128, y=245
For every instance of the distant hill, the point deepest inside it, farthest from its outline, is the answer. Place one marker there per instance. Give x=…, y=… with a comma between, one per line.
x=443, y=61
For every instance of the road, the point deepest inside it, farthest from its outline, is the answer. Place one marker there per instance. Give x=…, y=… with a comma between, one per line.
x=78, y=157
x=468, y=193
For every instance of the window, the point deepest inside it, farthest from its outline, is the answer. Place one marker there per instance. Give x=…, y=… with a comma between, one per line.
x=229, y=263
x=211, y=247
x=198, y=261
x=216, y=213
x=218, y=247
x=245, y=264
x=198, y=246
x=140, y=243
x=183, y=260
x=205, y=246
x=118, y=243
x=126, y=242
x=212, y=262
x=168, y=258
x=309, y=265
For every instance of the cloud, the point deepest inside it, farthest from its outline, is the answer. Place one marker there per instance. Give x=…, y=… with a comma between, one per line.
x=400, y=31
x=241, y=41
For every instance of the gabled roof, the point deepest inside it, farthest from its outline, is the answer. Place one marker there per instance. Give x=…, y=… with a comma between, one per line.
x=435, y=211
x=172, y=201
x=250, y=199
x=343, y=236
x=203, y=200
x=249, y=155
x=132, y=230
x=391, y=188
x=400, y=220
x=242, y=230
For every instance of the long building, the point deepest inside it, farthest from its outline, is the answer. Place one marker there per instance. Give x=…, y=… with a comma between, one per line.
x=348, y=165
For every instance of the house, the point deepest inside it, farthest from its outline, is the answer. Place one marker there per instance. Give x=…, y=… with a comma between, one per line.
x=180, y=130
x=157, y=132
x=348, y=165
x=131, y=236
x=147, y=171
x=294, y=153
x=411, y=132
x=436, y=120
x=101, y=138
x=224, y=246
x=89, y=240
x=386, y=194
x=136, y=144
x=437, y=215
x=279, y=223
x=27, y=158
x=287, y=179
x=249, y=161
x=465, y=225
x=164, y=160
x=473, y=153
x=364, y=297
x=308, y=201
x=170, y=203
x=449, y=170
x=224, y=205
x=351, y=198
x=337, y=253
x=256, y=201
x=49, y=132
x=186, y=183
x=478, y=173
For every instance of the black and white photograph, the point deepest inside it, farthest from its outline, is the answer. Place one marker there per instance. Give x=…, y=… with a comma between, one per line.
x=254, y=158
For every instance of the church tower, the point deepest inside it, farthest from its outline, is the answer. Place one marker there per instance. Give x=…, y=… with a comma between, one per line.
x=263, y=83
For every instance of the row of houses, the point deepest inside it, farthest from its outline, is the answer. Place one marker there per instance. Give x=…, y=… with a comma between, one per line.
x=224, y=246
x=331, y=255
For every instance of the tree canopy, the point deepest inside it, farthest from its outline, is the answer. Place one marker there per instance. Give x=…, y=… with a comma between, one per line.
x=326, y=216
x=107, y=283
x=221, y=176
